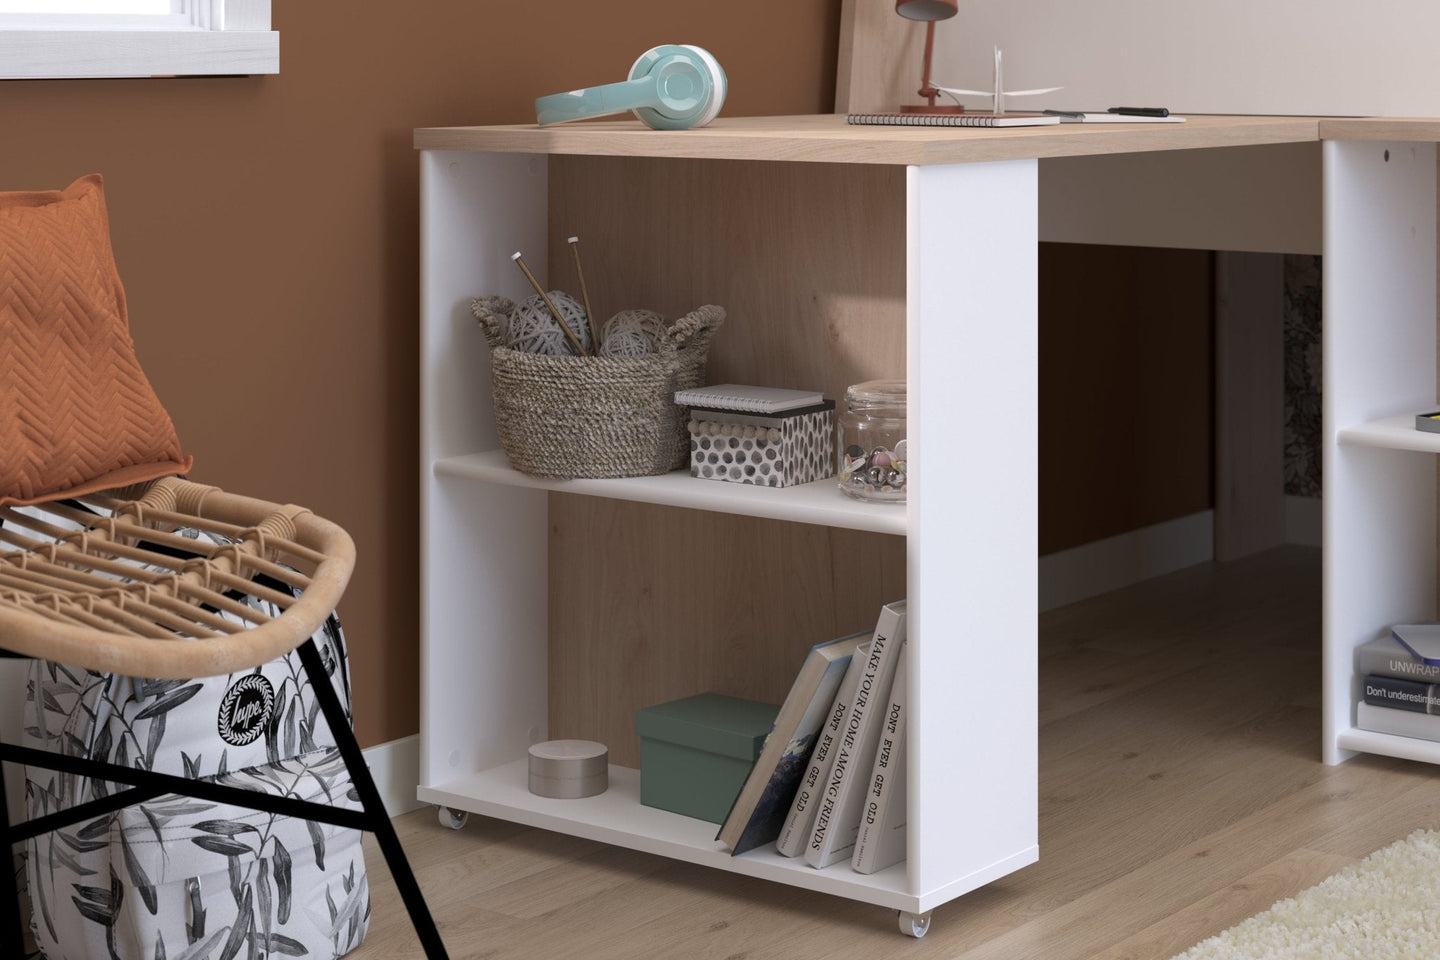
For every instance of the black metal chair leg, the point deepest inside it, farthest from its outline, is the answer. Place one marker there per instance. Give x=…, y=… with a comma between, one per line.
x=12, y=926
x=374, y=807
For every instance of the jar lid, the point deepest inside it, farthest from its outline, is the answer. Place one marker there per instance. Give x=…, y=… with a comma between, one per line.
x=568, y=759
x=888, y=392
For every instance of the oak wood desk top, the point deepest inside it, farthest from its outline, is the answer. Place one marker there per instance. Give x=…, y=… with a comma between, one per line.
x=829, y=139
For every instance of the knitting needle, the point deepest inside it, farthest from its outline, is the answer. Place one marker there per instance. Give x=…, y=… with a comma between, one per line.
x=585, y=294
x=574, y=343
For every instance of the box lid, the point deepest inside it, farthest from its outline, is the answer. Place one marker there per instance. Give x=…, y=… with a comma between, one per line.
x=712, y=722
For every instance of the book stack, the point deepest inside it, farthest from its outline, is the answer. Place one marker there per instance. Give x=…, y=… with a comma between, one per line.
x=1399, y=675
x=830, y=786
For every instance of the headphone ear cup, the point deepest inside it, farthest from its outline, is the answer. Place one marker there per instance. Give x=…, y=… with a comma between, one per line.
x=694, y=74
x=720, y=82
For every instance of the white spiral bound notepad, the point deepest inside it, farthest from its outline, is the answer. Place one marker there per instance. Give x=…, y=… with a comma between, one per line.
x=952, y=119
x=734, y=396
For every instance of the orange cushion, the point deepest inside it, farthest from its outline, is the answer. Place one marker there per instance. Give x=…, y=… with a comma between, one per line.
x=77, y=414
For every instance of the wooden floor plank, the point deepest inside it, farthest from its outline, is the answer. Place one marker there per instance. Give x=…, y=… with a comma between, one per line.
x=1181, y=790
x=1221, y=910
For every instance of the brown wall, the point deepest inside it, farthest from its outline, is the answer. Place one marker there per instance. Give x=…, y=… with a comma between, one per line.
x=1126, y=407
x=266, y=231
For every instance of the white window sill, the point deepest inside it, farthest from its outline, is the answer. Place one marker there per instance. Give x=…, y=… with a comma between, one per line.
x=35, y=54
x=209, y=39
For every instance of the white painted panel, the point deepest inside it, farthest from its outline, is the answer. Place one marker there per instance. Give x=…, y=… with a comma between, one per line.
x=247, y=15
x=972, y=365
x=1306, y=57
x=1379, y=344
x=483, y=547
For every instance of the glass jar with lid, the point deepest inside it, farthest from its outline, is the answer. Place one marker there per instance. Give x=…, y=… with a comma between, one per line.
x=873, y=451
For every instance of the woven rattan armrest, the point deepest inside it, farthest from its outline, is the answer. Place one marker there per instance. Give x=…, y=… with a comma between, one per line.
x=104, y=583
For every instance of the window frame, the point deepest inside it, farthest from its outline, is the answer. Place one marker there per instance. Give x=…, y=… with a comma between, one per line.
x=199, y=38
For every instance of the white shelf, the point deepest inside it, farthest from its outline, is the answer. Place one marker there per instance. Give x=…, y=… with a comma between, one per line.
x=820, y=502
x=1391, y=433
x=1390, y=745
x=617, y=817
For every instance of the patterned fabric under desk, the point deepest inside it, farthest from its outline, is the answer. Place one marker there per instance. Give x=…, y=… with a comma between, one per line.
x=767, y=450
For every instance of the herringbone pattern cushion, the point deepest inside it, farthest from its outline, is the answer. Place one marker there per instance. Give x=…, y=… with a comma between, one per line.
x=76, y=411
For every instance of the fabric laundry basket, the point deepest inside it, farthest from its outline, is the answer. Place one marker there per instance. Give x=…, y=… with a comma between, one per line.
x=178, y=876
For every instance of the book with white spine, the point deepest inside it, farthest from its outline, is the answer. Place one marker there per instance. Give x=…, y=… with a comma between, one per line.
x=796, y=831
x=1401, y=723
x=763, y=803
x=882, y=820
x=837, y=822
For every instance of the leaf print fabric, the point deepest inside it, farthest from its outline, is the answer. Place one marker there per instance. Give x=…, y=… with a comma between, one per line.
x=178, y=878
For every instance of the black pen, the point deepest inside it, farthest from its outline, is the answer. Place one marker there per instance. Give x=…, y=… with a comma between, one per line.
x=1068, y=114
x=1140, y=111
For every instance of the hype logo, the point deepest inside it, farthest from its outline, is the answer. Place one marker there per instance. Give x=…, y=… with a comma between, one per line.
x=246, y=709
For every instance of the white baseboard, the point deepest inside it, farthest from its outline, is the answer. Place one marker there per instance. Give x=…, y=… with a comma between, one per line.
x=1091, y=569
x=1303, y=521
x=396, y=768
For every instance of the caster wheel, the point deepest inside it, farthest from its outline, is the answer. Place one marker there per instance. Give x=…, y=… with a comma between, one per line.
x=454, y=819
x=914, y=924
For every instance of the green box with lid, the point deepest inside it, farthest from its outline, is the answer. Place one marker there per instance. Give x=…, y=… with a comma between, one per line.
x=696, y=752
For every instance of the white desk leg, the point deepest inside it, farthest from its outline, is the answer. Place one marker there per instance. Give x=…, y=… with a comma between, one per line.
x=972, y=360
x=1379, y=342
x=483, y=547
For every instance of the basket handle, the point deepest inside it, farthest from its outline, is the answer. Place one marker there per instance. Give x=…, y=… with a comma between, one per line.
x=494, y=316
x=693, y=330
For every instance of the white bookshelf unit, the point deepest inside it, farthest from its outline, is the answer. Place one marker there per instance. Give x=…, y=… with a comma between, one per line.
x=1380, y=361
x=968, y=201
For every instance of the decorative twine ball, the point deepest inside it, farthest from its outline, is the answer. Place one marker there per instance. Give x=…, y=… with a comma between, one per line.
x=533, y=328
x=632, y=333
x=627, y=343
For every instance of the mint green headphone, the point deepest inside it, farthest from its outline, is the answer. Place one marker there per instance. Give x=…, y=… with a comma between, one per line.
x=671, y=87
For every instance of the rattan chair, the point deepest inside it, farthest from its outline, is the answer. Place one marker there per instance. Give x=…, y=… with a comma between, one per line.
x=103, y=583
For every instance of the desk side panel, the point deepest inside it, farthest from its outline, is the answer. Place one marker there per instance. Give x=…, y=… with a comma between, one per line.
x=1379, y=343
x=972, y=309
x=483, y=547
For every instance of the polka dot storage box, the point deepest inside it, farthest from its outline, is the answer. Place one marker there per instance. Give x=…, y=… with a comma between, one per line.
x=769, y=450
x=607, y=416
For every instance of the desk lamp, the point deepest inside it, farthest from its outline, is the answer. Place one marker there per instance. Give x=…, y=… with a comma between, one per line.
x=929, y=11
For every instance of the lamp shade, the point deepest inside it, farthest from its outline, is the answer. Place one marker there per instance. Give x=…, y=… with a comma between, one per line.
x=927, y=9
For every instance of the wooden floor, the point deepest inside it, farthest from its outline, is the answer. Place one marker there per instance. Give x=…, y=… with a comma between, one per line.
x=1180, y=791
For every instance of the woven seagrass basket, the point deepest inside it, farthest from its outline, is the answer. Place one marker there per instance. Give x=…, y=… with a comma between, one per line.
x=571, y=416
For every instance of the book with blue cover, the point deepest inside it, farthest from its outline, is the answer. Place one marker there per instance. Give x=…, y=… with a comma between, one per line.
x=760, y=809
x=1420, y=640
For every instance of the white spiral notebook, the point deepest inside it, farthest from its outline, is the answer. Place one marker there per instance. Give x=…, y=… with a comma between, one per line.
x=734, y=396
x=952, y=119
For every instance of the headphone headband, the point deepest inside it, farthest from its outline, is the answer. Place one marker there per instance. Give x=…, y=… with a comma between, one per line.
x=671, y=87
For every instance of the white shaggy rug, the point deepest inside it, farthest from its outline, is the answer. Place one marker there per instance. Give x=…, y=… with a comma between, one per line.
x=1386, y=907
